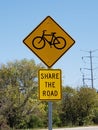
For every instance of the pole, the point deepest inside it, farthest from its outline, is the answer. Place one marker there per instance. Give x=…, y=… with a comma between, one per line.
x=91, y=69
x=83, y=81
x=49, y=115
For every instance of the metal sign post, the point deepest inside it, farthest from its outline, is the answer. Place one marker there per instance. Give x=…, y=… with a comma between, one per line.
x=49, y=115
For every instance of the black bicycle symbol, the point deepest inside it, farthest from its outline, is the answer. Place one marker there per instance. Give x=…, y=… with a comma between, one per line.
x=39, y=42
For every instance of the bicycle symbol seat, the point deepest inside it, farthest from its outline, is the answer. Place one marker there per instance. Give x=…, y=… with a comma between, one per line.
x=39, y=42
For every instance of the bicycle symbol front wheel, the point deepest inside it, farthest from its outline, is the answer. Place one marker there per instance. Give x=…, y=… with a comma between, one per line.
x=59, y=42
x=38, y=42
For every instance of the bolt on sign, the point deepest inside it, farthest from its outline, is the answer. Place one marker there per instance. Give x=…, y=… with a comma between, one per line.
x=49, y=41
x=50, y=84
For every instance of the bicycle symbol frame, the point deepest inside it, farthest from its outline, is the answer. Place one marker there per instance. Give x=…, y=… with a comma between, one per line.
x=39, y=42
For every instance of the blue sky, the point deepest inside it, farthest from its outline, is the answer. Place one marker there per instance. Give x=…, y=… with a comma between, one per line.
x=79, y=18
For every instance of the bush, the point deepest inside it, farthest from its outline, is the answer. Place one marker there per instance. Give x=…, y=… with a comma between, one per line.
x=95, y=119
x=35, y=122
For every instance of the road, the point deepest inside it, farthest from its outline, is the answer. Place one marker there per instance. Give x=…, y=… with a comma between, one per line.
x=80, y=128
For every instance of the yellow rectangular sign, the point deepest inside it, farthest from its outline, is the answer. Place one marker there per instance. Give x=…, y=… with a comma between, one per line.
x=50, y=84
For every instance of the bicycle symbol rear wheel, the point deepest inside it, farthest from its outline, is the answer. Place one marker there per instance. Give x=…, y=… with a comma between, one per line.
x=59, y=42
x=38, y=42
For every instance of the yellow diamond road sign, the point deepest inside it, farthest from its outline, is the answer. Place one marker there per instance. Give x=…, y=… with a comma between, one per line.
x=50, y=84
x=48, y=41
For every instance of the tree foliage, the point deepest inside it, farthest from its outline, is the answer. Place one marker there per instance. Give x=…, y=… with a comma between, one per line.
x=78, y=106
x=18, y=93
x=20, y=107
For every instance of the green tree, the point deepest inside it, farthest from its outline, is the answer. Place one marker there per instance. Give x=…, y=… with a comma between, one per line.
x=56, y=111
x=68, y=114
x=18, y=87
x=78, y=106
x=87, y=101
